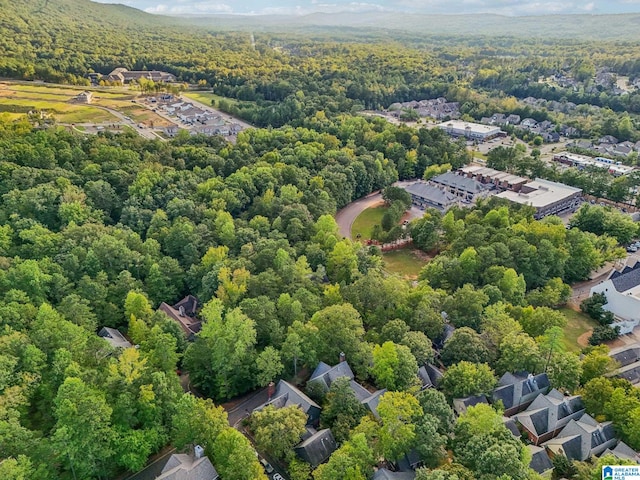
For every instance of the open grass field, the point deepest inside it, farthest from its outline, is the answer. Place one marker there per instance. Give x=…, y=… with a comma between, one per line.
x=363, y=224
x=20, y=97
x=207, y=97
x=578, y=324
x=58, y=100
x=405, y=262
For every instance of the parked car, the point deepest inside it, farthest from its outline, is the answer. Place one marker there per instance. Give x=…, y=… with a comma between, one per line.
x=277, y=476
x=267, y=466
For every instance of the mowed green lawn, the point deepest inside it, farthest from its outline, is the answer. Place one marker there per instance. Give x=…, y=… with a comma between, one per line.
x=54, y=99
x=404, y=262
x=207, y=97
x=577, y=324
x=363, y=224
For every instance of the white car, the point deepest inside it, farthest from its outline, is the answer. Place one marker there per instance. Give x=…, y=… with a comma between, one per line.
x=277, y=476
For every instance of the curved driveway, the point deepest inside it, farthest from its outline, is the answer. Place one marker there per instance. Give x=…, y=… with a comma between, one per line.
x=346, y=216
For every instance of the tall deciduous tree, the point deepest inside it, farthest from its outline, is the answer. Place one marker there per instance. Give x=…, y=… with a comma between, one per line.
x=197, y=421
x=464, y=379
x=399, y=412
x=83, y=434
x=222, y=358
x=277, y=430
x=342, y=410
x=234, y=457
x=394, y=367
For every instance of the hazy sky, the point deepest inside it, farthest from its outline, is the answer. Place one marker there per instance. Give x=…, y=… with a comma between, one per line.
x=301, y=7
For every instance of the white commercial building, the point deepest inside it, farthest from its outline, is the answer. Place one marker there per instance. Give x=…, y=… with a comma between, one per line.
x=548, y=198
x=622, y=290
x=582, y=161
x=472, y=131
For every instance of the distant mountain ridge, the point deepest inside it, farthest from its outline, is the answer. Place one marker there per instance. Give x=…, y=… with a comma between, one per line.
x=579, y=27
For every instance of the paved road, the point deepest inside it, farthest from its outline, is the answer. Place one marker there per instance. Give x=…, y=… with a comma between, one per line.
x=346, y=216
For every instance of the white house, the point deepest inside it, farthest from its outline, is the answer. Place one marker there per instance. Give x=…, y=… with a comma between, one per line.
x=622, y=290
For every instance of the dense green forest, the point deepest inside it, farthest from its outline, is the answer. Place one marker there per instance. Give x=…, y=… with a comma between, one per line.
x=99, y=230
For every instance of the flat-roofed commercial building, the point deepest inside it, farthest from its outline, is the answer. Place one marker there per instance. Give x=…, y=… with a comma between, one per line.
x=548, y=198
x=472, y=131
x=582, y=161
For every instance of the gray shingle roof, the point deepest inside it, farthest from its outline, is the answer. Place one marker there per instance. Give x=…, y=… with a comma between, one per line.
x=432, y=194
x=429, y=375
x=627, y=356
x=326, y=375
x=627, y=279
x=583, y=438
x=623, y=451
x=372, y=402
x=519, y=388
x=460, y=405
x=540, y=461
x=287, y=395
x=549, y=412
x=186, y=467
x=317, y=448
x=460, y=182
x=384, y=474
x=114, y=337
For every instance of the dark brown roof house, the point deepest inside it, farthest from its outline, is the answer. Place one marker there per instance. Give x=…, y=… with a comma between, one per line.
x=184, y=313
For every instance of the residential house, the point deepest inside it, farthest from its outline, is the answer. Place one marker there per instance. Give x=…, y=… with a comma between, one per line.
x=324, y=375
x=622, y=290
x=548, y=414
x=517, y=390
x=184, y=314
x=498, y=119
x=512, y=426
x=317, y=448
x=581, y=439
x=286, y=394
x=551, y=137
x=438, y=343
x=114, y=337
x=84, y=97
x=621, y=150
x=180, y=466
x=623, y=452
x=528, y=123
x=384, y=474
x=429, y=376
x=546, y=125
x=629, y=360
x=171, y=130
x=513, y=119
x=372, y=401
x=540, y=461
x=608, y=140
x=460, y=405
